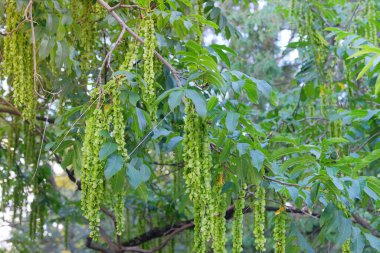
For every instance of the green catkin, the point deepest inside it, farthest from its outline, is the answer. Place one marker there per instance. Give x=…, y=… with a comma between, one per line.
x=371, y=29
x=66, y=232
x=197, y=166
x=149, y=89
x=87, y=34
x=42, y=214
x=200, y=12
x=119, y=213
x=18, y=63
x=93, y=171
x=259, y=219
x=279, y=231
x=293, y=8
x=32, y=221
x=237, y=230
x=346, y=247
x=130, y=56
x=219, y=221
x=118, y=134
x=127, y=224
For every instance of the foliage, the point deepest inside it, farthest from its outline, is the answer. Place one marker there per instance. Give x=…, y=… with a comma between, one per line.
x=122, y=131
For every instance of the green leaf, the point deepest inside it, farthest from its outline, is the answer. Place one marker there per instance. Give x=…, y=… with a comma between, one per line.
x=136, y=177
x=283, y=151
x=198, y=101
x=357, y=240
x=373, y=241
x=251, y=88
x=175, y=99
x=373, y=156
x=107, y=149
x=306, y=159
x=257, y=158
x=377, y=85
x=374, y=184
x=242, y=148
x=45, y=47
x=114, y=164
x=366, y=67
x=232, y=120
x=211, y=103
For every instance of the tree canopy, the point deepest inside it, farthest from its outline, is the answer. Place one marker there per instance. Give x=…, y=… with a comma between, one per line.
x=190, y=126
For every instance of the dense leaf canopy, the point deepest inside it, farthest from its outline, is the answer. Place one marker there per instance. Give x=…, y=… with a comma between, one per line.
x=190, y=126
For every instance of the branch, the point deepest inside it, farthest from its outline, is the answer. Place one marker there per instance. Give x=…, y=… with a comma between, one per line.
x=91, y=245
x=359, y=220
x=126, y=6
x=70, y=173
x=280, y=182
x=181, y=226
x=16, y=112
x=131, y=32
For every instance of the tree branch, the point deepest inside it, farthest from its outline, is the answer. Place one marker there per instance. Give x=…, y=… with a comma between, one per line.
x=91, y=245
x=359, y=220
x=181, y=226
x=131, y=32
x=16, y=112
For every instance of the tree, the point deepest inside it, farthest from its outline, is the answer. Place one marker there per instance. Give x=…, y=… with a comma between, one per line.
x=168, y=145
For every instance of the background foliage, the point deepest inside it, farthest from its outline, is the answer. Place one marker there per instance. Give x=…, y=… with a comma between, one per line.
x=304, y=128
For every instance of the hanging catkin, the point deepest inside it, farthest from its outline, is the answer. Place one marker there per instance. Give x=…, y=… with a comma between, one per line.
x=259, y=219
x=197, y=165
x=18, y=63
x=237, y=228
x=219, y=221
x=93, y=171
x=279, y=230
x=149, y=89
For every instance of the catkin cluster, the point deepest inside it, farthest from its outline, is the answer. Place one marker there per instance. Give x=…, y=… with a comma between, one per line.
x=149, y=89
x=118, y=134
x=93, y=182
x=38, y=208
x=130, y=56
x=237, y=229
x=197, y=176
x=93, y=171
x=86, y=13
x=279, y=231
x=346, y=247
x=18, y=63
x=259, y=219
x=371, y=29
x=219, y=221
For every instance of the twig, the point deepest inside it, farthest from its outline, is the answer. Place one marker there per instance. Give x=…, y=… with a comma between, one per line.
x=131, y=32
x=28, y=15
x=14, y=111
x=366, y=225
x=366, y=142
x=280, y=182
x=127, y=6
